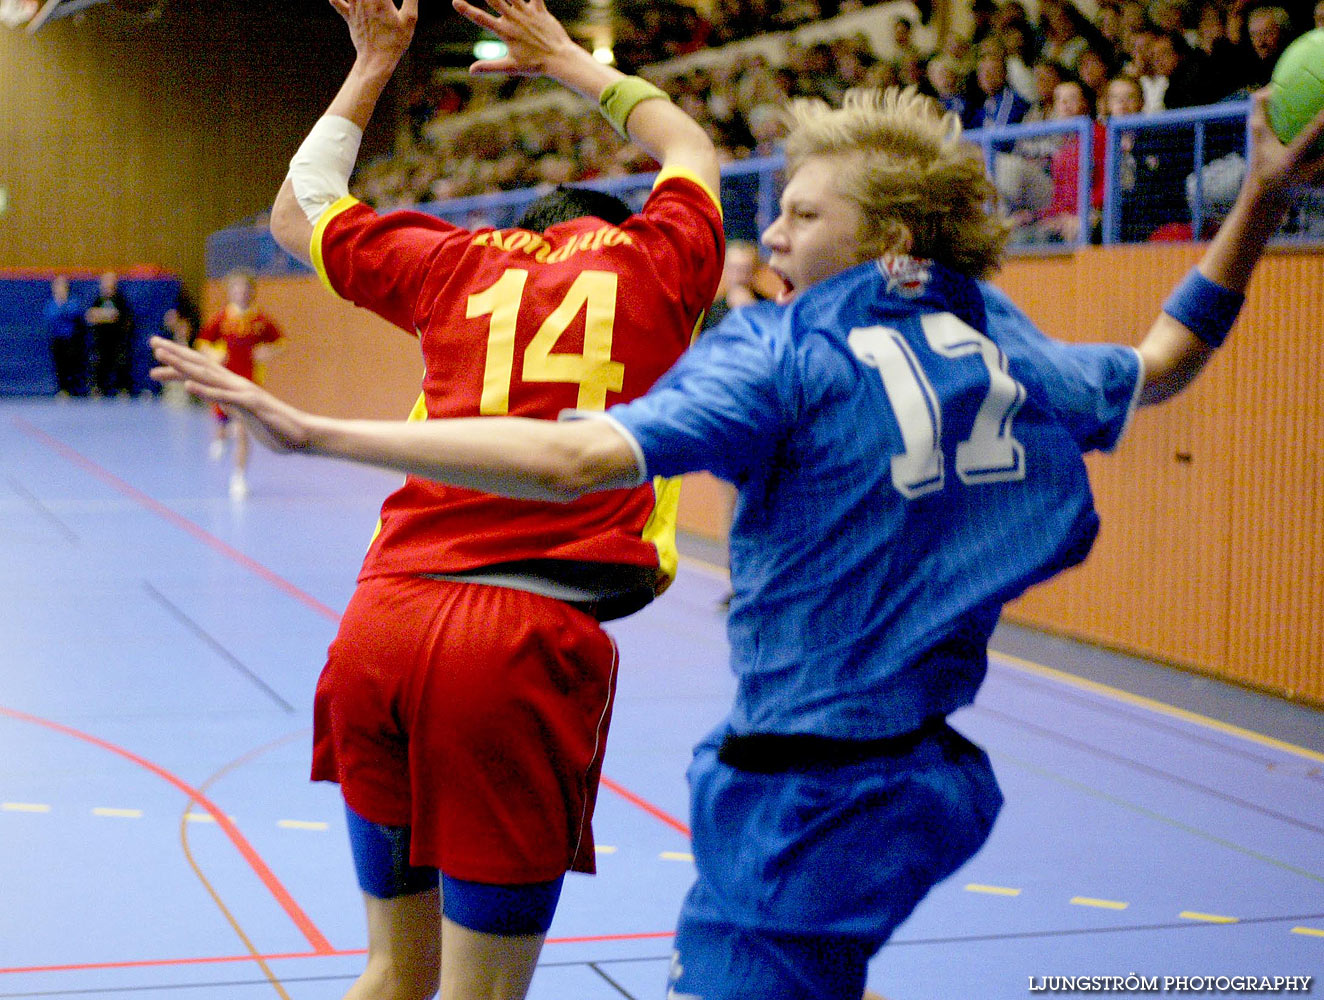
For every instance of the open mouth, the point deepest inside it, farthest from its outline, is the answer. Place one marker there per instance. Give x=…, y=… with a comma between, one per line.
x=787, y=291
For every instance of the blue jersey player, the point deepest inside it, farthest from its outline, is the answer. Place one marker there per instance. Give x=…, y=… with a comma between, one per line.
x=907, y=452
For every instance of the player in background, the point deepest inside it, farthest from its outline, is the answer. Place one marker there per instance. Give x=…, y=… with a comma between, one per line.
x=908, y=452
x=465, y=701
x=243, y=339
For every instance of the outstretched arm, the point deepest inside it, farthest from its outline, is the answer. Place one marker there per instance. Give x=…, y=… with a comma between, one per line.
x=1184, y=336
x=319, y=175
x=510, y=456
x=539, y=46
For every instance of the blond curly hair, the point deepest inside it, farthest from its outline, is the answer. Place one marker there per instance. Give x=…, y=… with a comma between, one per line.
x=904, y=164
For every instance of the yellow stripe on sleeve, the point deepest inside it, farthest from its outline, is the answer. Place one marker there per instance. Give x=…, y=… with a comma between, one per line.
x=315, y=243
x=668, y=172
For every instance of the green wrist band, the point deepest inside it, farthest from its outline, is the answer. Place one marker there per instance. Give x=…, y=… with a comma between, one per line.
x=619, y=99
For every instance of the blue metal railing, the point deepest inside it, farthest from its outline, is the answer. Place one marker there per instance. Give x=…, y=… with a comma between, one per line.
x=752, y=187
x=995, y=140
x=1228, y=113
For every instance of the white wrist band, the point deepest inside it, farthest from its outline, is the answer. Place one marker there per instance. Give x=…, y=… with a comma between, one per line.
x=319, y=172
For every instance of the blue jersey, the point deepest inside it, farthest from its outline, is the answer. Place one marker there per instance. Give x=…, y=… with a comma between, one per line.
x=62, y=319
x=907, y=450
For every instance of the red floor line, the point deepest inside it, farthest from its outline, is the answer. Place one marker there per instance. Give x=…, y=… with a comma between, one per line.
x=168, y=963
x=211, y=541
x=175, y=518
x=282, y=896
x=645, y=805
x=159, y=963
x=599, y=938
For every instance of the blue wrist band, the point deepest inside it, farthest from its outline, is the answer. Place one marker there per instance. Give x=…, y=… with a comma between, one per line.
x=1204, y=307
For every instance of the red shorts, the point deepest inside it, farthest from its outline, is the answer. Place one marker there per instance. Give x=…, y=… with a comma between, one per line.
x=475, y=715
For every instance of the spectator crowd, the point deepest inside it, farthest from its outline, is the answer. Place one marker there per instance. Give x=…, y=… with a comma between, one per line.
x=734, y=64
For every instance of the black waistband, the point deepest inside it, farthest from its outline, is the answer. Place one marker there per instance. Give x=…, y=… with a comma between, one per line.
x=773, y=753
x=616, y=589
x=606, y=609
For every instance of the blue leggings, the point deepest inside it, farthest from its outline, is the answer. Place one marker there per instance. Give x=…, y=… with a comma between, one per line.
x=381, y=860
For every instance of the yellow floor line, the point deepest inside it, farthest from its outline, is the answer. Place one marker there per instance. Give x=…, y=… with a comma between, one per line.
x=184, y=821
x=711, y=568
x=1030, y=667
x=1208, y=918
x=991, y=890
x=1100, y=904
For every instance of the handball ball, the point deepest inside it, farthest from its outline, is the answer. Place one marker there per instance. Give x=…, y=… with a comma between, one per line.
x=1296, y=92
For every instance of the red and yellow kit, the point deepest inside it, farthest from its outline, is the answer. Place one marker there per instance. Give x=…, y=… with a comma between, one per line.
x=514, y=322
x=238, y=332
x=471, y=710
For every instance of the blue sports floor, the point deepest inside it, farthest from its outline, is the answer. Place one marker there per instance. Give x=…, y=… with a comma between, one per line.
x=158, y=835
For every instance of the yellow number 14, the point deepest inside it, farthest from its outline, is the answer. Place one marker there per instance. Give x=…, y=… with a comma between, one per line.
x=593, y=370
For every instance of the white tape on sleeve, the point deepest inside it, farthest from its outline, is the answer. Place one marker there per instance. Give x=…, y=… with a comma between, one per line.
x=319, y=172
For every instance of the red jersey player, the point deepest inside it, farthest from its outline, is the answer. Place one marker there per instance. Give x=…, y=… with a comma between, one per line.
x=243, y=339
x=464, y=704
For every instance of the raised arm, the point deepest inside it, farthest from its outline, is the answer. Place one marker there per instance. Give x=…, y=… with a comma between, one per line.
x=319, y=173
x=1203, y=307
x=510, y=456
x=538, y=45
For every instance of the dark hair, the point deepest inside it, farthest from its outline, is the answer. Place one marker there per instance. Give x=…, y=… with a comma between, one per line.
x=1086, y=91
x=566, y=203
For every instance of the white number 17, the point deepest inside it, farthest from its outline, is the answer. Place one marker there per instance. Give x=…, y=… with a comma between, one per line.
x=990, y=454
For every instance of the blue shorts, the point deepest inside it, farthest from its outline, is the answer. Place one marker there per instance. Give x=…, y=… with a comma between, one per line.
x=381, y=861
x=804, y=874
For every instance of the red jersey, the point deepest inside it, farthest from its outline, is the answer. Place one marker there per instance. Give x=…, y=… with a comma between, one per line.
x=582, y=316
x=1064, y=168
x=239, y=331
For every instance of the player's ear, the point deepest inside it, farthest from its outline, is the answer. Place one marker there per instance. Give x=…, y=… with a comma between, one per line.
x=891, y=236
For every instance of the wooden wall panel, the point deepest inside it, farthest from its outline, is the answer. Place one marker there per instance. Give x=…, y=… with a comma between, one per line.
x=706, y=504
x=1276, y=617
x=1156, y=582
x=1210, y=554
x=125, y=140
x=338, y=359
